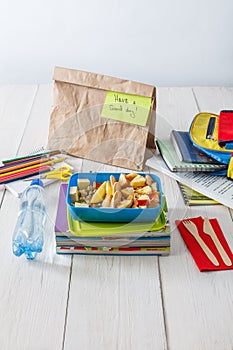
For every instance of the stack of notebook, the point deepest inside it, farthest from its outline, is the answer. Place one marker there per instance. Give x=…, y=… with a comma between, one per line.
x=179, y=154
x=110, y=239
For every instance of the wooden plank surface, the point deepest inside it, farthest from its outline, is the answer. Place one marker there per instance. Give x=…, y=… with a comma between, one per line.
x=36, y=133
x=114, y=302
x=213, y=99
x=15, y=107
x=198, y=306
x=34, y=293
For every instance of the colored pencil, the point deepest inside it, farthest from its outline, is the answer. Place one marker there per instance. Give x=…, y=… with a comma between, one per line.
x=19, y=161
x=56, y=160
x=28, y=159
x=23, y=164
x=13, y=160
x=24, y=174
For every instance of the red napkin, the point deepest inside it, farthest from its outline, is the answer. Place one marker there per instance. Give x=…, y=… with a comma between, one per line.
x=202, y=261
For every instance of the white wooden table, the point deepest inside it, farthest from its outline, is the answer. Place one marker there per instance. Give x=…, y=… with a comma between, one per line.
x=84, y=302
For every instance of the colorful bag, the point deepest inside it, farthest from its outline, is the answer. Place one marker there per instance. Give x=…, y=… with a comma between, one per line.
x=203, y=133
x=225, y=129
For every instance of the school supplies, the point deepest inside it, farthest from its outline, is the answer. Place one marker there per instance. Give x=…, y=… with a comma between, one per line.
x=23, y=170
x=63, y=173
x=17, y=187
x=225, y=129
x=4, y=179
x=186, y=151
x=213, y=135
x=19, y=165
x=10, y=172
x=171, y=159
x=218, y=188
x=192, y=197
x=31, y=156
x=204, y=134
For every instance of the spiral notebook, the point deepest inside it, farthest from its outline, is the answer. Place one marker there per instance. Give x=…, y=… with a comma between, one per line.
x=186, y=151
x=192, y=197
x=173, y=162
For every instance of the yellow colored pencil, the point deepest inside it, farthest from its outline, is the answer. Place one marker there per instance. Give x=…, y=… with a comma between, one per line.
x=53, y=161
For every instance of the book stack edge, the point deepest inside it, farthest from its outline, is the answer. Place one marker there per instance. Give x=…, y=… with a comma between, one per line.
x=155, y=242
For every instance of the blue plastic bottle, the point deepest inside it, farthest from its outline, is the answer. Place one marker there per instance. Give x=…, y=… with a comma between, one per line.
x=28, y=236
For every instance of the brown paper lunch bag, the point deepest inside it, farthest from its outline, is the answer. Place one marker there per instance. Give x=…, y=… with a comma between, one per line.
x=76, y=125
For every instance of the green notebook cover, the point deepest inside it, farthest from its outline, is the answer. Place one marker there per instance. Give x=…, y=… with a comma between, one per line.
x=192, y=197
x=173, y=162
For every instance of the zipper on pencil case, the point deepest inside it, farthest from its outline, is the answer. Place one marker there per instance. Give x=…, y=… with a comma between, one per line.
x=210, y=129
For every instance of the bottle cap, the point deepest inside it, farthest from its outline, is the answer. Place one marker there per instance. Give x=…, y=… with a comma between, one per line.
x=37, y=182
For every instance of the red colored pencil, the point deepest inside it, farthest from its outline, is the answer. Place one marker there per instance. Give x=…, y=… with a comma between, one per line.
x=9, y=168
x=24, y=174
x=30, y=157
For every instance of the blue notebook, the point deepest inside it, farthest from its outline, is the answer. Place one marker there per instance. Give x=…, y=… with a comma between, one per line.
x=185, y=150
x=170, y=157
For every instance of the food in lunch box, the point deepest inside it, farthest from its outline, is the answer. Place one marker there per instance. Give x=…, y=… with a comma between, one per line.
x=130, y=191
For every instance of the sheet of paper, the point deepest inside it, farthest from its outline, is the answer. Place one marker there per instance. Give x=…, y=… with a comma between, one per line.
x=127, y=108
x=218, y=188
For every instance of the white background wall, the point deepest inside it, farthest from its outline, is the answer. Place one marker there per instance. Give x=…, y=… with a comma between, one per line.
x=162, y=42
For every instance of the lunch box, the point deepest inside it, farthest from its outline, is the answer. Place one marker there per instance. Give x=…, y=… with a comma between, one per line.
x=101, y=214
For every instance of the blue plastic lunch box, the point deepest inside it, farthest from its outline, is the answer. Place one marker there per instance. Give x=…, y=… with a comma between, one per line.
x=111, y=214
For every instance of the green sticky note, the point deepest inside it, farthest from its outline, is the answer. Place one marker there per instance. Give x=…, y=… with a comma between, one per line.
x=127, y=108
